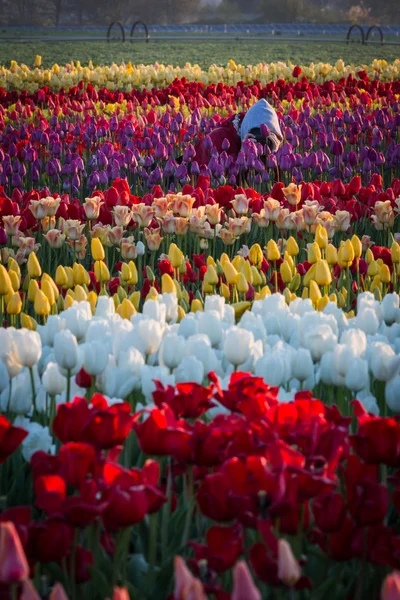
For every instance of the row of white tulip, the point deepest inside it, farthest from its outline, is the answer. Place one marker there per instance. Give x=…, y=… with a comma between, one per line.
x=292, y=347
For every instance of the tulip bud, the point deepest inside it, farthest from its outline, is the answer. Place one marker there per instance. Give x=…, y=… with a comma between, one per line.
x=28, y=322
x=286, y=272
x=125, y=273
x=13, y=266
x=152, y=295
x=196, y=306
x=15, y=280
x=5, y=281
x=212, y=275
x=207, y=287
x=391, y=587
x=256, y=255
x=287, y=295
x=41, y=304
x=321, y=237
x=167, y=284
x=92, y=299
x=135, y=299
x=181, y=313
x=48, y=291
x=289, y=571
x=265, y=291
x=310, y=275
x=14, y=305
x=369, y=257
x=322, y=302
x=373, y=268
x=224, y=291
x=175, y=256
x=34, y=269
x=333, y=298
x=13, y=564
x=346, y=254
x=242, y=285
x=32, y=290
x=256, y=277
x=384, y=274
x=79, y=274
x=70, y=278
x=97, y=249
x=341, y=300
x=240, y=308
x=357, y=246
x=273, y=251
x=224, y=258
x=210, y=261
x=292, y=247
x=68, y=301
x=287, y=258
x=101, y=271
x=230, y=273
x=331, y=255
x=116, y=301
x=304, y=294
x=126, y=309
x=237, y=261
x=134, y=273
x=315, y=293
x=322, y=273
x=377, y=294
x=295, y=283
x=395, y=250
x=313, y=253
x=61, y=276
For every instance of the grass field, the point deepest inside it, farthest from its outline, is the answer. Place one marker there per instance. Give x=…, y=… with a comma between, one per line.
x=203, y=53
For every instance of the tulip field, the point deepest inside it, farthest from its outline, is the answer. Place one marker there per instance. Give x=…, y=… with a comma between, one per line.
x=199, y=359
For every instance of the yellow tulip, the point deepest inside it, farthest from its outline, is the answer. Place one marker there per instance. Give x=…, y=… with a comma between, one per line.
x=224, y=258
x=207, y=287
x=210, y=261
x=15, y=280
x=50, y=280
x=28, y=322
x=80, y=294
x=322, y=302
x=167, y=284
x=230, y=273
x=240, y=308
x=304, y=294
x=313, y=253
x=315, y=293
x=41, y=304
x=13, y=266
x=134, y=273
x=286, y=272
x=97, y=249
x=310, y=275
x=323, y=275
x=287, y=258
x=321, y=237
x=256, y=277
x=341, y=300
x=295, y=283
x=287, y=295
x=14, y=305
x=273, y=253
x=34, y=268
x=135, y=299
x=125, y=273
x=395, y=250
x=70, y=278
x=331, y=255
x=126, y=309
x=333, y=298
x=175, y=256
x=224, y=291
x=211, y=274
x=48, y=291
x=242, y=285
x=61, y=276
x=116, y=301
x=237, y=261
x=101, y=271
x=152, y=295
x=32, y=290
x=92, y=299
x=384, y=274
x=256, y=255
x=178, y=291
x=292, y=247
x=378, y=294
x=196, y=306
x=181, y=313
x=346, y=254
x=350, y=314
x=369, y=257
x=5, y=281
x=373, y=268
x=357, y=246
x=264, y=292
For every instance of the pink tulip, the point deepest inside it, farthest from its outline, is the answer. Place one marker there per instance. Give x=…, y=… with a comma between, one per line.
x=13, y=564
x=120, y=594
x=243, y=584
x=29, y=591
x=187, y=587
x=289, y=571
x=391, y=587
x=58, y=593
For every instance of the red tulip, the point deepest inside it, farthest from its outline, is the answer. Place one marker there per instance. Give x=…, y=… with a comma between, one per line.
x=13, y=564
x=10, y=438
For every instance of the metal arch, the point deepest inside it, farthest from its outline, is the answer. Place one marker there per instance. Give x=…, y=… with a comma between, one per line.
x=371, y=29
x=361, y=31
x=118, y=24
x=145, y=29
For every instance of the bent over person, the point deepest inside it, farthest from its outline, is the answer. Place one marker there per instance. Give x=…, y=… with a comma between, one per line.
x=259, y=123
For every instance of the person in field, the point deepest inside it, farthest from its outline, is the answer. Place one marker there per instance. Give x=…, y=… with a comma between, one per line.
x=260, y=123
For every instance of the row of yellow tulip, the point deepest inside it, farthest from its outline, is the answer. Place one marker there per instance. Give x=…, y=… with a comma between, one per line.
x=126, y=76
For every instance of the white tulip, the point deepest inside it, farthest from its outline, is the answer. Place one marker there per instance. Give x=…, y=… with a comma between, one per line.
x=47, y=332
x=369, y=402
x=105, y=307
x=211, y=326
x=319, y=340
x=20, y=401
x=367, y=320
x=384, y=363
x=99, y=330
x=342, y=356
x=140, y=248
x=390, y=308
x=255, y=324
x=229, y=315
x=38, y=438
x=215, y=304
x=357, y=375
x=285, y=397
x=53, y=382
x=171, y=351
x=303, y=366
x=95, y=358
x=9, y=352
x=149, y=335
x=326, y=372
x=355, y=339
x=4, y=377
x=188, y=326
x=271, y=367
x=190, y=369
x=29, y=347
x=392, y=394
x=170, y=302
x=149, y=374
x=153, y=309
x=77, y=318
x=237, y=345
x=66, y=351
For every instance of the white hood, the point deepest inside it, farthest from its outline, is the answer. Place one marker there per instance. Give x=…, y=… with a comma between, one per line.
x=262, y=113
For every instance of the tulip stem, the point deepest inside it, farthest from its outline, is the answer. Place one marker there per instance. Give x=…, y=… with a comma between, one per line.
x=152, y=547
x=68, y=385
x=190, y=502
x=14, y=591
x=165, y=518
x=33, y=390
